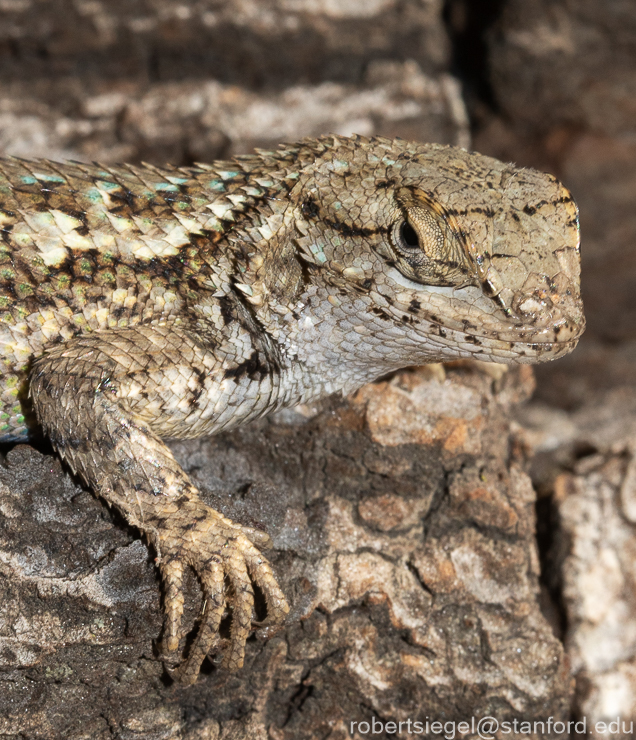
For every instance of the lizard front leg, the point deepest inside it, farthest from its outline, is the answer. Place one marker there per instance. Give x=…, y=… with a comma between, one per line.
x=103, y=399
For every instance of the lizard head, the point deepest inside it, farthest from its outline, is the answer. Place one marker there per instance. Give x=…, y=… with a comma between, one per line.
x=437, y=252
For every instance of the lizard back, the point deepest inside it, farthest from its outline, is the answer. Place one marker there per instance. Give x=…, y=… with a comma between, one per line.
x=87, y=247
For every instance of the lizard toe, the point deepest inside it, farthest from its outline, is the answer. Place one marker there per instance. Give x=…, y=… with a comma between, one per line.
x=207, y=639
x=257, y=537
x=172, y=575
x=264, y=578
x=242, y=606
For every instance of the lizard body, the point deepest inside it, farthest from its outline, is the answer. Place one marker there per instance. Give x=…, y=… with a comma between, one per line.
x=141, y=303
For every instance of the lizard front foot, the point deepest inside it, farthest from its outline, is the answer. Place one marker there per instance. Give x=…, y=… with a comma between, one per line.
x=216, y=548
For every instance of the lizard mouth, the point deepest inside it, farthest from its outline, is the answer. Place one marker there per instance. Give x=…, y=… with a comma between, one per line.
x=539, y=321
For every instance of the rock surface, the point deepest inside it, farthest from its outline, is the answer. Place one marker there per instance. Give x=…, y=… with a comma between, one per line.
x=561, y=78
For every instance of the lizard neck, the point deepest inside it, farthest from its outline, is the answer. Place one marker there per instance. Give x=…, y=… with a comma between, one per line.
x=325, y=348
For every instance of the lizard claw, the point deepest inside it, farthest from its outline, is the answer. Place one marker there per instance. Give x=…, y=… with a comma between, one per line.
x=257, y=537
x=215, y=548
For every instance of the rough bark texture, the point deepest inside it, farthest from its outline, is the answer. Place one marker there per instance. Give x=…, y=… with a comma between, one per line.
x=585, y=467
x=248, y=42
x=402, y=519
x=195, y=81
x=403, y=527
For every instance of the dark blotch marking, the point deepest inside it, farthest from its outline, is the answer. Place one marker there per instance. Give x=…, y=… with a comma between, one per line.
x=253, y=367
x=414, y=306
x=474, y=209
x=228, y=311
x=6, y=230
x=200, y=385
x=472, y=340
x=531, y=210
x=436, y=329
x=117, y=311
x=310, y=209
x=162, y=483
x=351, y=230
x=381, y=313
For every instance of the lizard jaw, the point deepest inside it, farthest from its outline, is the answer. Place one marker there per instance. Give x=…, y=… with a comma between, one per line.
x=542, y=321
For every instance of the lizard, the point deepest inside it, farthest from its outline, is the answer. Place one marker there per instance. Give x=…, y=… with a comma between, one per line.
x=143, y=303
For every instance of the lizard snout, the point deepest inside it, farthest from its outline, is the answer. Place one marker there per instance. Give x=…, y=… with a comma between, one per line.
x=551, y=306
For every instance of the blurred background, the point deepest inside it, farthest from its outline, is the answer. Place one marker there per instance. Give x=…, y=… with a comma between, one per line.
x=543, y=83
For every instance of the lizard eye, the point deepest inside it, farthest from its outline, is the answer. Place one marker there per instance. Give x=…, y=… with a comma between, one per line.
x=425, y=242
x=406, y=237
x=419, y=236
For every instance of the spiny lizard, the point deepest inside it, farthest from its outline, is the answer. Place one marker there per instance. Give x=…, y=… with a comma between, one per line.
x=142, y=303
